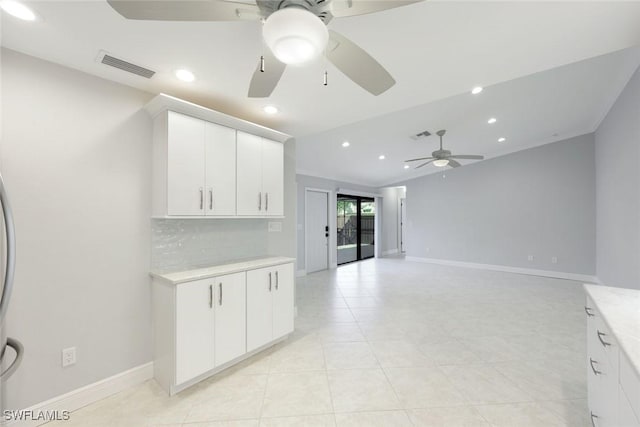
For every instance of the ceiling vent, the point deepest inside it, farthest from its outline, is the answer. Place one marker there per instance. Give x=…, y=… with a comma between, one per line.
x=123, y=65
x=420, y=135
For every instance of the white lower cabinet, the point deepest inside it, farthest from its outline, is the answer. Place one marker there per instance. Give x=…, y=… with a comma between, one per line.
x=608, y=403
x=269, y=304
x=203, y=326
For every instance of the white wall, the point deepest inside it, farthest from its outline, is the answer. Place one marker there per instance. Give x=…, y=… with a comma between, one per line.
x=537, y=202
x=390, y=239
x=306, y=181
x=617, y=146
x=75, y=154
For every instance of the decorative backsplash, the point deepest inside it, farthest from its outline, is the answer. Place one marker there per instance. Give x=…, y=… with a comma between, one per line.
x=179, y=244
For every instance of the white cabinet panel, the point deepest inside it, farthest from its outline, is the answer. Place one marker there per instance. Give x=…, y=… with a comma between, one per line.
x=283, y=301
x=220, y=155
x=273, y=177
x=194, y=329
x=230, y=317
x=185, y=165
x=250, y=197
x=259, y=307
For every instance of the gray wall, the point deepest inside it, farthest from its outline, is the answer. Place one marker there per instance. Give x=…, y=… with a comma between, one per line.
x=75, y=154
x=305, y=181
x=617, y=146
x=76, y=157
x=537, y=202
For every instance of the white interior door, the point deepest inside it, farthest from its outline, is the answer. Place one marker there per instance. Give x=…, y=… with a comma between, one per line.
x=403, y=223
x=317, y=234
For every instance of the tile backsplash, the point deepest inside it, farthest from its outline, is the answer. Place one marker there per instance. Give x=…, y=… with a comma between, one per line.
x=178, y=244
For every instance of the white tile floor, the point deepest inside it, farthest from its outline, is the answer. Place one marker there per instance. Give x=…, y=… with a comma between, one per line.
x=394, y=343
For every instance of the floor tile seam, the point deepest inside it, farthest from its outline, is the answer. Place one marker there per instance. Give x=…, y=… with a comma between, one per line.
x=326, y=374
x=557, y=417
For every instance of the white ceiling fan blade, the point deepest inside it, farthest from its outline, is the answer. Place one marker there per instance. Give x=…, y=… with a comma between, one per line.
x=419, y=158
x=424, y=164
x=342, y=8
x=358, y=65
x=467, y=157
x=183, y=10
x=453, y=163
x=263, y=83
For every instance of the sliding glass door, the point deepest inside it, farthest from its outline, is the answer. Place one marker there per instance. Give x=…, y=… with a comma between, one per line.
x=356, y=220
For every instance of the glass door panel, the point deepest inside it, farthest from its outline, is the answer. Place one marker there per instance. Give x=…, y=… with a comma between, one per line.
x=347, y=229
x=367, y=227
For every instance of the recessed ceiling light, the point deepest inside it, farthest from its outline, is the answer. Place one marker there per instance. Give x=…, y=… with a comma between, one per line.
x=270, y=109
x=381, y=157
x=346, y=144
x=185, y=75
x=406, y=166
x=502, y=139
x=476, y=90
x=492, y=120
x=17, y=10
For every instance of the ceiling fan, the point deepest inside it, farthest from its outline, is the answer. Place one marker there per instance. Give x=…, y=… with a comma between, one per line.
x=442, y=158
x=295, y=32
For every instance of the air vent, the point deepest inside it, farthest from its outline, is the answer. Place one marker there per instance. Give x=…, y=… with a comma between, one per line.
x=123, y=65
x=421, y=135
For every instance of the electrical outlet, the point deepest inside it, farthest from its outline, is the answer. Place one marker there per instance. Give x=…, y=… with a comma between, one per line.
x=68, y=356
x=531, y=257
x=275, y=226
x=554, y=259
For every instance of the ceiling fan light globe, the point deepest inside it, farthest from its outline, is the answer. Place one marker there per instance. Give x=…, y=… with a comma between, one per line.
x=295, y=35
x=441, y=163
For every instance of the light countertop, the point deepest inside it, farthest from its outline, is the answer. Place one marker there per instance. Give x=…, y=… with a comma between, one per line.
x=220, y=270
x=620, y=309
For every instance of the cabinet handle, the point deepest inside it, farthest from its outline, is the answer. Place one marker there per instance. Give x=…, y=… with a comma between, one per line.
x=595, y=371
x=277, y=280
x=260, y=201
x=220, y=298
x=604, y=343
x=588, y=311
x=266, y=201
x=592, y=417
x=269, y=281
x=201, y=198
x=211, y=199
x=210, y=296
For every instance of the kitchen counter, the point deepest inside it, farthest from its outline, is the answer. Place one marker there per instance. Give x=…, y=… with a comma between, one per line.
x=177, y=277
x=620, y=309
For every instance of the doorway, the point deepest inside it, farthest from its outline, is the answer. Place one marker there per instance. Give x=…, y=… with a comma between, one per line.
x=356, y=217
x=317, y=230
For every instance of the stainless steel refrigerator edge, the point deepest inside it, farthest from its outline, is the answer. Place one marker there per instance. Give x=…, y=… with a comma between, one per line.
x=7, y=366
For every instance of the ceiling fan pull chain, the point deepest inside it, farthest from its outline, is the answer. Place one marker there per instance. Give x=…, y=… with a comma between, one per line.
x=326, y=81
x=262, y=64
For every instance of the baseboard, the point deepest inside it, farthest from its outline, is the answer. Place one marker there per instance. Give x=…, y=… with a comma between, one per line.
x=86, y=395
x=301, y=273
x=390, y=252
x=585, y=278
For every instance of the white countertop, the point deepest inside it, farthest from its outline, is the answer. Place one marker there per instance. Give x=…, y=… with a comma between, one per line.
x=620, y=309
x=220, y=270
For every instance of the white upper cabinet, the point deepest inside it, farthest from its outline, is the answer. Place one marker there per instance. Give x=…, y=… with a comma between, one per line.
x=249, y=170
x=220, y=170
x=185, y=165
x=207, y=169
x=260, y=171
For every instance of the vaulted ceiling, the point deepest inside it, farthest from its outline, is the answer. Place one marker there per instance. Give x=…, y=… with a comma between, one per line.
x=436, y=50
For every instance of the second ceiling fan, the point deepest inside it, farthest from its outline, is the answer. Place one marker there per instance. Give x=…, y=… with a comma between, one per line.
x=442, y=157
x=295, y=32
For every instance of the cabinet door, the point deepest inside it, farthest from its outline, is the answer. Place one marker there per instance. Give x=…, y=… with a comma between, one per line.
x=259, y=307
x=185, y=165
x=250, y=197
x=283, y=301
x=273, y=177
x=220, y=155
x=194, y=329
x=230, y=313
